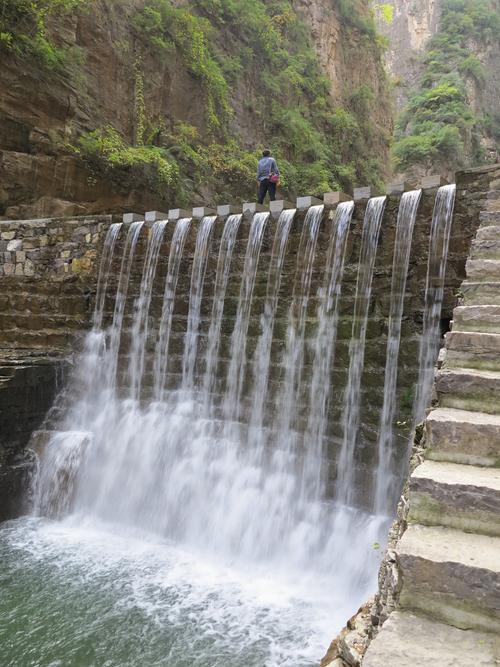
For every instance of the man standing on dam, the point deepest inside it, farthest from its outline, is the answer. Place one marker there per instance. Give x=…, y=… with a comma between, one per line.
x=268, y=176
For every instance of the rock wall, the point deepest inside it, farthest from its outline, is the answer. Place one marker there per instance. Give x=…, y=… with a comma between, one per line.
x=42, y=111
x=408, y=32
x=48, y=271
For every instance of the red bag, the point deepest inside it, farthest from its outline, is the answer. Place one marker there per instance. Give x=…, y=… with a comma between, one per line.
x=274, y=178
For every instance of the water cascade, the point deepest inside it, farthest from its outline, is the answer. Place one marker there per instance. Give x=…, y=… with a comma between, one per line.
x=102, y=284
x=208, y=507
x=385, y=474
x=237, y=365
x=226, y=250
x=345, y=469
x=294, y=355
x=436, y=270
x=121, y=297
x=174, y=262
x=140, y=322
x=195, y=298
x=324, y=350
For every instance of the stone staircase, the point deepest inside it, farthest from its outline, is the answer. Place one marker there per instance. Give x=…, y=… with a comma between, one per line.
x=448, y=560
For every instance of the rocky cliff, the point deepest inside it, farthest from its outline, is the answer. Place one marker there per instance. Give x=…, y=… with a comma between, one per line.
x=145, y=104
x=444, y=60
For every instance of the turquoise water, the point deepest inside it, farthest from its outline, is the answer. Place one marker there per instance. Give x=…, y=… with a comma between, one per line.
x=82, y=595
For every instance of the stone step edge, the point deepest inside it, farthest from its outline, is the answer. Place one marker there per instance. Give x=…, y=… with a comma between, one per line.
x=450, y=575
x=463, y=497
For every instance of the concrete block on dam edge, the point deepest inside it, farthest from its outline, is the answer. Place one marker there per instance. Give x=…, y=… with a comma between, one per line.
x=249, y=208
x=307, y=202
x=202, y=211
x=177, y=213
x=276, y=207
x=154, y=216
x=132, y=217
x=334, y=198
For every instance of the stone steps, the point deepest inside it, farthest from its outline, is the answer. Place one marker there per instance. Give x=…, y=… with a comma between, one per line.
x=472, y=349
x=483, y=270
x=410, y=640
x=486, y=245
x=484, y=319
x=451, y=575
x=459, y=436
x=489, y=218
x=481, y=293
x=459, y=496
x=469, y=389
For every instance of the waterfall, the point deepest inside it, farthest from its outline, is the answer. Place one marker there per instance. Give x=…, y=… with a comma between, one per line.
x=102, y=282
x=344, y=491
x=262, y=355
x=294, y=354
x=237, y=365
x=436, y=272
x=174, y=262
x=385, y=474
x=110, y=368
x=324, y=349
x=140, y=321
x=226, y=249
x=195, y=297
x=228, y=469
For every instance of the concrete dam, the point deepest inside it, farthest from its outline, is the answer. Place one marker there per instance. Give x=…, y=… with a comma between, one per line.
x=208, y=419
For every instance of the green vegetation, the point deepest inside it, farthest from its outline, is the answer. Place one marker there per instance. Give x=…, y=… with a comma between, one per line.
x=438, y=127
x=23, y=28
x=254, y=62
x=247, y=64
x=150, y=163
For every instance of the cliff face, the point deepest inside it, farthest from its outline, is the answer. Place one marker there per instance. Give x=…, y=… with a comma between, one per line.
x=408, y=28
x=120, y=73
x=452, y=48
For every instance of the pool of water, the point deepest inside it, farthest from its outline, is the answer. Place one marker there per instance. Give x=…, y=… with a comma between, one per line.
x=81, y=594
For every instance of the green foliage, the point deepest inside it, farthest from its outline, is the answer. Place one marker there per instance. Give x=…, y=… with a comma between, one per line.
x=176, y=28
x=386, y=10
x=354, y=14
x=438, y=122
x=227, y=47
x=23, y=29
x=106, y=148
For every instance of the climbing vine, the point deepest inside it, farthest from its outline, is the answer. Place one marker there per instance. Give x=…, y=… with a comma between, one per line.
x=23, y=28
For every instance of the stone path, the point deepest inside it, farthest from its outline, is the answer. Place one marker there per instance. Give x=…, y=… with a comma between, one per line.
x=449, y=557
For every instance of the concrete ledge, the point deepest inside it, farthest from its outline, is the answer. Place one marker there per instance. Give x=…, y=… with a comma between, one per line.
x=307, y=202
x=334, y=198
x=228, y=209
x=276, y=207
x=434, y=181
x=396, y=188
x=202, y=212
x=362, y=193
x=154, y=216
x=250, y=208
x=178, y=213
x=132, y=217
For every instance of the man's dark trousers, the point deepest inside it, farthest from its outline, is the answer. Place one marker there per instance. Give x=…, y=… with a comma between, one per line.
x=267, y=186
